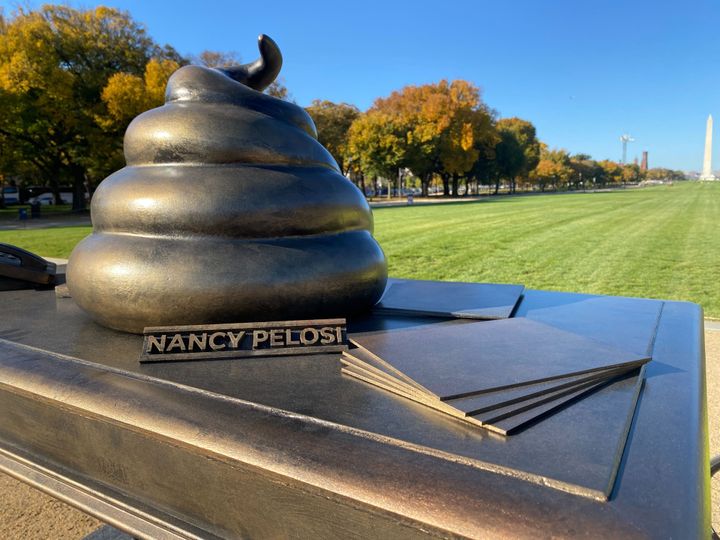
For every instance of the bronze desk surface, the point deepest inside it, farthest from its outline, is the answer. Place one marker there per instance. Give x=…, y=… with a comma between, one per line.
x=288, y=447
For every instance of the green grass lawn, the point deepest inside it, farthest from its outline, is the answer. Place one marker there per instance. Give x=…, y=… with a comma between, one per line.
x=54, y=242
x=660, y=242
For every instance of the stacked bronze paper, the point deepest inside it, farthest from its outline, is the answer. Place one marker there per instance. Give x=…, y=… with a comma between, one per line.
x=229, y=210
x=501, y=374
x=484, y=301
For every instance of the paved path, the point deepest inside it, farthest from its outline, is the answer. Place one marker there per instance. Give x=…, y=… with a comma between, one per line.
x=711, y=324
x=712, y=363
x=379, y=202
x=50, y=221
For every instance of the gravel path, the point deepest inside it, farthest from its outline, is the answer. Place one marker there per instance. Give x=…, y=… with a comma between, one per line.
x=28, y=514
x=712, y=355
x=46, y=222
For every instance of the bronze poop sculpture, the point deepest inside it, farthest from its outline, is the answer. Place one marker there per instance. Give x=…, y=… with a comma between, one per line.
x=228, y=210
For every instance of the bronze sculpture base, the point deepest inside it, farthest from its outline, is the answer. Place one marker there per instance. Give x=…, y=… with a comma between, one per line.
x=222, y=448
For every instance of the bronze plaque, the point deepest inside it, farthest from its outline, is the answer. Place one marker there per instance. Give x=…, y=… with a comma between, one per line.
x=217, y=341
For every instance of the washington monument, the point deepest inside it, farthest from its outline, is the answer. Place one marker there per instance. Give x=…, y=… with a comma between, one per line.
x=707, y=162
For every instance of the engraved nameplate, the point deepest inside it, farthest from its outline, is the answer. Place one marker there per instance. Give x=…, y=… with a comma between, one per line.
x=215, y=341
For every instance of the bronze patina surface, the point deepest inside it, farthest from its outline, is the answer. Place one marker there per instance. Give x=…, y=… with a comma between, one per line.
x=289, y=447
x=229, y=210
x=454, y=360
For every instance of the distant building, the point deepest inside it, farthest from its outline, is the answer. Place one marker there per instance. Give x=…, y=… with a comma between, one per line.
x=644, y=163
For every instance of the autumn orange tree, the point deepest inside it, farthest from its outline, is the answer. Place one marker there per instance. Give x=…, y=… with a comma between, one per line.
x=610, y=172
x=55, y=64
x=553, y=168
x=432, y=129
x=660, y=173
x=630, y=172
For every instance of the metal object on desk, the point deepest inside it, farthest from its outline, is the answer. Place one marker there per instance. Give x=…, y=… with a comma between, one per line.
x=229, y=210
x=21, y=269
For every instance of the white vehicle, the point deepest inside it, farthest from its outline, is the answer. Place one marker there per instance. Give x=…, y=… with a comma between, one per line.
x=46, y=199
x=11, y=195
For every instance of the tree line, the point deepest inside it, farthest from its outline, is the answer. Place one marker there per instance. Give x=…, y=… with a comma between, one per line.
x=445, y=132
x=71, y=80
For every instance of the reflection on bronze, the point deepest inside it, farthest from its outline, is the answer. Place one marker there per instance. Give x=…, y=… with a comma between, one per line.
x=228, y=210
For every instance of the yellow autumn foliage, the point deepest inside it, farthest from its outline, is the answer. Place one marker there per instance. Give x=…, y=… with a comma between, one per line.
x=127, y=95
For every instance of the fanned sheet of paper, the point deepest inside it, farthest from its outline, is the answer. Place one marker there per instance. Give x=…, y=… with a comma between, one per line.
x=501, y=375
x=485, y=301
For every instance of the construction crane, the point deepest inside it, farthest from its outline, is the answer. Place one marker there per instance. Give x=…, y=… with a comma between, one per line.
x=625, y=139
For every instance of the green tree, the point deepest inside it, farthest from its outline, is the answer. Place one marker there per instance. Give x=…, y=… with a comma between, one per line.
x=526, y=137
x=630, y=173
x=54, y=65
x=470, y=139
x=583, y=170
x=509, y=157
x=485, y=169
x=333, y=121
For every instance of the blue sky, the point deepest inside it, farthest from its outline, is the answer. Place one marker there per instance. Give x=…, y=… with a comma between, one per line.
x=583, y=72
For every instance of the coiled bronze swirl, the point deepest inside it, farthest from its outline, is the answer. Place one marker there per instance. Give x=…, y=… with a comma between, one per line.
x=229, y=209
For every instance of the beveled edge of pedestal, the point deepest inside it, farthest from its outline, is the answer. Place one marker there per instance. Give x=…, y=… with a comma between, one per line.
x=111, y=510
x=306, y=450
x=61, y=382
